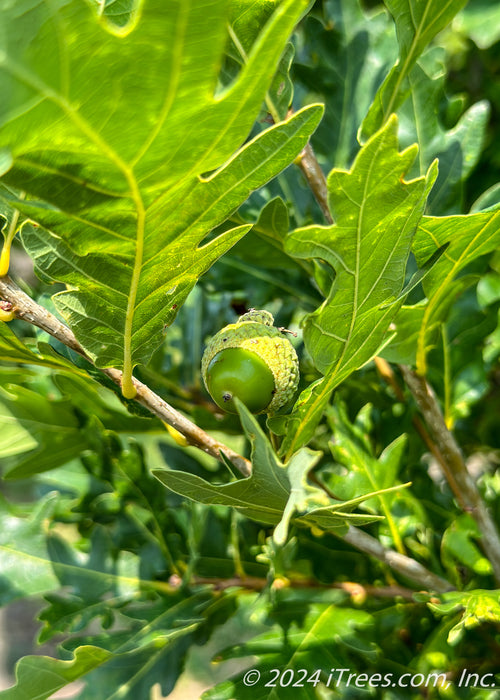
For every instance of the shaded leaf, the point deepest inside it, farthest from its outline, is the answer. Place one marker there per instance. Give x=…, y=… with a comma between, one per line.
x=364, y=472
x=25, y=567
x=420, y=274
x=488, y=199
x=326, y=638
x=148, y=646
x=343, y=59
x=117, y=12
x=469, y=237
x=457, y=148
x=13, y=350
x=459, y=544
x=55, y=435
x=403, y=346
x=259, y=259
x=153, y=647
x=275, y=494
x=417, y=23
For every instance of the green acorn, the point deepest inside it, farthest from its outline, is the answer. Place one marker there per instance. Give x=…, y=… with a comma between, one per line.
x=253, y=361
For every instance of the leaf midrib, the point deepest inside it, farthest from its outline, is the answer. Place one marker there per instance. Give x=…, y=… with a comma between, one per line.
x=134, y=193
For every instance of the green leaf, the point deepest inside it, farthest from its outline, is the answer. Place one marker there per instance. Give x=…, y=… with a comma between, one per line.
x=275, y=493
x=458, y=544
x=402, y=348
x=24, y=562
x=258, y=262
x=118, y=12
x=488, y=289
x=476, y=607
x=55, y=435
x=148, y=645
x=247, y=17
x=121, y=180
x=418, y=276
x=154, y=647
x=487, y=200
x=261, y=496
x=14, y=351
x=324, y=637
x=342, y=59
x=39, y=677
x=306, y=503
x=376, y=215
x=479, y=20
x=457, y=148
x=366, y=473
x=280, y=93
x=469, y=237
x=88, y=396
x=146, y=627
x=417, y=23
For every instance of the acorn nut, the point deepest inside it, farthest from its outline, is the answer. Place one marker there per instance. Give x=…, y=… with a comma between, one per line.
x=253, y=361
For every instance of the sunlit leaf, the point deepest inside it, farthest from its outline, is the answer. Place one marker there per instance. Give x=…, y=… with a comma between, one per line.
x=121, y=179
x=39, y=677
x=479, y=20
x=459, y=545
x=476, y=607
x=376, y=214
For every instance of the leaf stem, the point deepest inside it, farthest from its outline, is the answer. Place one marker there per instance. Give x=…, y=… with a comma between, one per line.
x=447, y=377
x=471, y=498
x=254, y=583
x=28, y=310
x=235, y=545
x=7, y=245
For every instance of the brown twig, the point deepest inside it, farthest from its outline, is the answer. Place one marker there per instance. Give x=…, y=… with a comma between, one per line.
x=404, y=565
x=28, y=310
x=356, y=590
x=316, y=180
x=470, y=496
x=385, y=371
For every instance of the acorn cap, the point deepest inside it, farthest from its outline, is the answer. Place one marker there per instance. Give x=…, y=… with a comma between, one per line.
x=255, y=333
